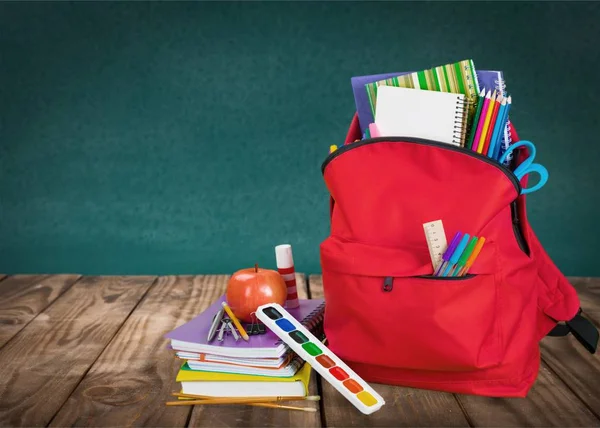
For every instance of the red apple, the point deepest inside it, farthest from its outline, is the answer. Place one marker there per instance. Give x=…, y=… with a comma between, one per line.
x=249, y=288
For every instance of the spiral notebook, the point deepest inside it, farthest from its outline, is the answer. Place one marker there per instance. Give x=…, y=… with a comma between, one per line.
x=192, y=336
x=438, y=116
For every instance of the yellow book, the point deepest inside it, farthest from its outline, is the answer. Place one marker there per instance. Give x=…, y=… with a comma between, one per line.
x=241, y=385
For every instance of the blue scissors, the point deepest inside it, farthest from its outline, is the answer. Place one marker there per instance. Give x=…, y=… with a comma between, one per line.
x=527, y=166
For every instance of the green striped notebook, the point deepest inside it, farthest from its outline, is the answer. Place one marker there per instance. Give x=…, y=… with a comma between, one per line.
x=457, y=78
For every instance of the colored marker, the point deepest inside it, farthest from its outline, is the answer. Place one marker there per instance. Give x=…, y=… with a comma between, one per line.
x=484, y=110
x=325, y=362
x=473, y=256
x=448, y=253
x=498, y=127
x=486, y=123
x=464, y=256
x=235, y=321
x=457, y=253
x=480, y=101
x=493, y=120
x=504, y=122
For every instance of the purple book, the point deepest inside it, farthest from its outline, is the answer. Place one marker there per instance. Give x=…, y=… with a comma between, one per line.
x=192, y=336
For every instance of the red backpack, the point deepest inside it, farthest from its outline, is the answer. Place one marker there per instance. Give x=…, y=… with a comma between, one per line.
x=394, y=322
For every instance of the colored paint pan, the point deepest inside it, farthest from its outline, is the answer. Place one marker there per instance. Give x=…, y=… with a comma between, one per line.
x=325, y=362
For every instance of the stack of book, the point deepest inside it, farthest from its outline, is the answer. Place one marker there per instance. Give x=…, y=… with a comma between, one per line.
x=263, y=366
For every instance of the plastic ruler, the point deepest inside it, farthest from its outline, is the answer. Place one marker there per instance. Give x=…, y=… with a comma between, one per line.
x=436, y=241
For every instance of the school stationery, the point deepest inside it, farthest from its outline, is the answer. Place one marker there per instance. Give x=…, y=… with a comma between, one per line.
x=332, y=148
x=457, y=78
x=473, y=131
x=456, y=254
x=235, y=321
x=501, y=146
x=191, y=336
x=436, y=241
x=492, y=125
x=236, y=361
x=325, y=362
x=498, y=127
x=527, y=166
x=462, y=261
x=285, y=267
x=289, y=368
x=430, y=115
x=487, y=79
x=472, y=257
x=374, y=131
x=478, y=126
x=486, y=122
x=448, y=253
x=215, y=324
x=236, y=385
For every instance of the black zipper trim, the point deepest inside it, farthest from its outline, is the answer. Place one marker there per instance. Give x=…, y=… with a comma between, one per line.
x=516, y=224
x=347, y=147
x=446, y=278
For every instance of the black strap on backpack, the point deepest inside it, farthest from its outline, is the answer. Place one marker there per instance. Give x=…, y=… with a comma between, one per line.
x=581, y=328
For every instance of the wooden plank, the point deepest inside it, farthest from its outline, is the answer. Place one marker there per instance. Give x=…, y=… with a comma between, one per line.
x=549, y=403
x=2, y=276
x=135, y=374
x=45, y=361
x=588, y=290
x=244, y=416
x=23, y=297
x=404, y=406
x=575, y=366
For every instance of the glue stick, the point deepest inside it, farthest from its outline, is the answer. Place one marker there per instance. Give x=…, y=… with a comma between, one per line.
x=285, y=267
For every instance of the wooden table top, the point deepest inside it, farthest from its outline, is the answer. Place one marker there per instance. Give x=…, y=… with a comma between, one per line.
x=89, y=351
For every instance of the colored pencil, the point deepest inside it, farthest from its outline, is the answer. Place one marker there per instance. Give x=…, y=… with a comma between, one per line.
x=488, y=137
x=498, y=129
x=480, y=101
x=235, y=321
x=501, y=133
x=247, y=399
x=486, y=123
x=480, y=121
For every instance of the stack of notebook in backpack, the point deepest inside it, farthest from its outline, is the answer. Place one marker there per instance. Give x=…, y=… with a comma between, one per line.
x=263, y=366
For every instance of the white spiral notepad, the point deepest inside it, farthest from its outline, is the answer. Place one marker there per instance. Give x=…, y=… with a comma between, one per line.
x=417, y=113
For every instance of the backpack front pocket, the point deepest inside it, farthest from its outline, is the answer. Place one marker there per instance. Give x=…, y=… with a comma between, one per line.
x=411, y=321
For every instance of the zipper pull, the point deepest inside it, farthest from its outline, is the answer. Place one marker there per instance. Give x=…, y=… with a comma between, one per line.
x=388, y=283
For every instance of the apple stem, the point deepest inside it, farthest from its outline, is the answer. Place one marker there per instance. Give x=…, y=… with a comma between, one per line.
x=255, y=267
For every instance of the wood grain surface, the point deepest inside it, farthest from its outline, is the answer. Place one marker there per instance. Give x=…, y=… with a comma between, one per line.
x=404, y=406
x=23, y=297
x=44, y=362
x=579, y=369
x=135, y=375
x=247, y=416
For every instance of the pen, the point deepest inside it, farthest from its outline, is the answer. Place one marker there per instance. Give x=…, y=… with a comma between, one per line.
x=473, y=256
x=235, y=321
x=457, y=253
x=464, y=256
x=448, y=253
x=215, y=323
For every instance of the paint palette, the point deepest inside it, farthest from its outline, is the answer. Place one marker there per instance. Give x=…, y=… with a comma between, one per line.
x=326, y=363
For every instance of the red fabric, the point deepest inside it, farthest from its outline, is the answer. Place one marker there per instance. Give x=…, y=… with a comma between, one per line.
x=475, y=335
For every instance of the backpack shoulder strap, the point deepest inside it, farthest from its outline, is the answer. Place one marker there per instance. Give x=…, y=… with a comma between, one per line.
x=581, y=328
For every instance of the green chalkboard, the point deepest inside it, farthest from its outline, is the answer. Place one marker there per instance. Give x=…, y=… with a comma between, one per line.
x=187, y=137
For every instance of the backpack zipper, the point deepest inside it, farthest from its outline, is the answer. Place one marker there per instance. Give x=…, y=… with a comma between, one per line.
x=388, y=281
x=347, y=147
